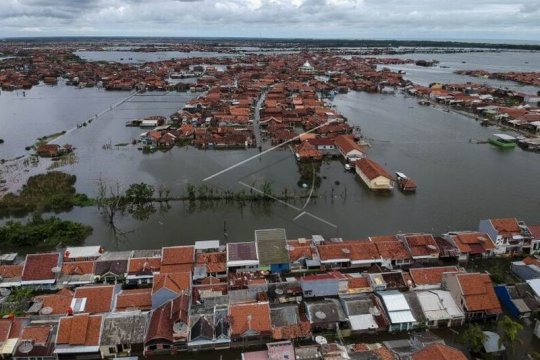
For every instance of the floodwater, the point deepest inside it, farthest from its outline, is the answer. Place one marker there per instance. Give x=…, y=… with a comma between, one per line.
x=459, y=181
x=135, y=57
x=489, y=61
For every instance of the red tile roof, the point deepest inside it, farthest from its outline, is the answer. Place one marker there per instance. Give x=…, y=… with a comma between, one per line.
x=140, y=299
x=216, y=262
x=421, y=244
x=363, y=250
x=5, y=326
x=98, y=298
x=473, y=242
x=39, y=334
x=334, y=251
x=478, y=292
x=390, y=247
x=59, y=302
x=439, y=352
x=430, y=275
x=138, y=265
x=79, y=330
x=535, y=231
x=178, y=255
x=506, y=227
x=10, y=271
x=298, y=250
x=346, y=143
x=371, y=169
x=253, y=316
x=78, y=268
x=175, y=282
x=39, y=266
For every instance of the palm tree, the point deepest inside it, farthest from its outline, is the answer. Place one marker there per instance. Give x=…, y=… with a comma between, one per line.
x=509, y=332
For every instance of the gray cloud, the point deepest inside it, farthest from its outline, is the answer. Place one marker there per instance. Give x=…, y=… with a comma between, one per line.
x=508, y=19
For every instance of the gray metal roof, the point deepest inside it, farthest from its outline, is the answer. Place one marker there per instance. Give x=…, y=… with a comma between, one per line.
x=124, y=328
x=272, y=246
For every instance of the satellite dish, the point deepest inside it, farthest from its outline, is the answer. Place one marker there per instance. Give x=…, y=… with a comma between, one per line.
x=346, y=251
x=320, y=315
x=47, y=310
x=279, y=292
x=432, y=247
x=321, y=340
x=373, y=310
x=56, y=269
x=26, y=347
x=5, y=292
x=178, y=327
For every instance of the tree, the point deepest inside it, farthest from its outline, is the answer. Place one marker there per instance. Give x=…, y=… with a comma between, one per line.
x=139, y=193
x=109, y=201
x=509, y=332
x=474, y=338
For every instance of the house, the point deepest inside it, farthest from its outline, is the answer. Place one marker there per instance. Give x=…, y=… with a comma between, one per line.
x=272, y=250
x=141, y=270
x=94, y=299
x=210, y=331
x=430, y=277
x=41, y=270
x=348, y=147
x=134, y=299
x=422, y=247
x=528, y=268
x=168, y=329
x=177, y=259
x=535, y=241
x=36, y=341
x=122, y=334
x=326, y=146
x=508, y=234
x=392, y=251
x=169, y=286
x=111, y=266
x=474, y=293
x=518, y=299
x=10, y=275
x=48, y=150
x=10, y=333
x=55, y=304
x=250, y=322
x=213, y=263
x=303, y=254
x=374, y=175
x=306, y=152
x=287, y=323
x=78, y=335
x=319, y=285
x=439, y=352
x=365, y=313
x=242, y=256
x=82, y=253
x=440, y=309
x=326, y=314
x=77, y=273
x=398, y=311
x=471, y=244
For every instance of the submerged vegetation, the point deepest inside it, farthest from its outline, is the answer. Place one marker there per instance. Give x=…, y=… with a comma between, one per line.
x=53, y=191
x=43, y=233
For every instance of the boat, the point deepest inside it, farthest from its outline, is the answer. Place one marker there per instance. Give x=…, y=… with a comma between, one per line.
x=404, y=183
x=503, y=141
x=424, y=102
x=133, y=123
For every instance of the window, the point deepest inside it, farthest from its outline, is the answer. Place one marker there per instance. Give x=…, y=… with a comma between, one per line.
x=112, y=350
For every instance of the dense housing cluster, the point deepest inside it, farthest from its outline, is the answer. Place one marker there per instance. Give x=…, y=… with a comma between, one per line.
x=95, y=303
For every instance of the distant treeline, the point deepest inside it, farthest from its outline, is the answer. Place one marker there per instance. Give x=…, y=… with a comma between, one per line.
x=277, y=43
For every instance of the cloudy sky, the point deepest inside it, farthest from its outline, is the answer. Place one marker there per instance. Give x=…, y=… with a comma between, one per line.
x=404, y=19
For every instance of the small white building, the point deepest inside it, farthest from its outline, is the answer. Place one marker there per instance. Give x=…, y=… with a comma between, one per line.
x=440, y=309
